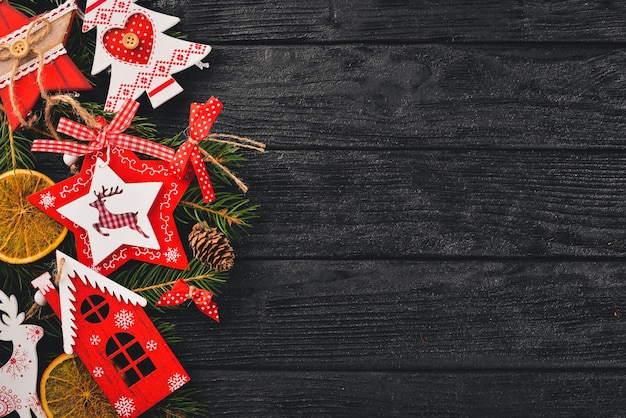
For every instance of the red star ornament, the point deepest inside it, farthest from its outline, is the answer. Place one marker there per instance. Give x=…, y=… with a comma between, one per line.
x=25, y=41
x=112, y=223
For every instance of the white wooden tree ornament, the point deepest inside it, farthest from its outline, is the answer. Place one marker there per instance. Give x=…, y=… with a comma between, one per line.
x=18, y=376
x=142, y=58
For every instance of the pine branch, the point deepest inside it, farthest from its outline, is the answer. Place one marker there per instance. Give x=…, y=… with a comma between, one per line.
x=166, y=329
x=151, y=279
x=25, y=9
x=230, y=213
x=181, y=404
x=14, y=148
x=230, y=219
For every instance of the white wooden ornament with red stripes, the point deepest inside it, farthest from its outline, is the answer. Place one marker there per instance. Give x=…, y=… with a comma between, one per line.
x=142, y=58
x=139, y=29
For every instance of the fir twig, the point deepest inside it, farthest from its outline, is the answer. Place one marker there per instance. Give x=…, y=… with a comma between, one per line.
x=222, y=213
x=181, y=404
x=167, y=284
x=230, y=213
x=149, y=278
x=167, y=330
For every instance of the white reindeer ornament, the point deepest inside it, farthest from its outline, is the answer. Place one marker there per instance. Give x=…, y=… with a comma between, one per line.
x=18, y=376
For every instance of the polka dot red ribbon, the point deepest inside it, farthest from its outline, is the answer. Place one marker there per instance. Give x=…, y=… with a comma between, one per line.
x=182, y=292
x=201, y=118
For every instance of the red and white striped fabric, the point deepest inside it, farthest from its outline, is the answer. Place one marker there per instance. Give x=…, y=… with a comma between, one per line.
x=109, y=135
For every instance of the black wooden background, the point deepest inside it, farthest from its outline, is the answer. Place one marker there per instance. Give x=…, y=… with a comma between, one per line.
x=442, y=226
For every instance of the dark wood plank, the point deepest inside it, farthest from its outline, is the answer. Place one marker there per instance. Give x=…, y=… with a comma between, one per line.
x=403, y=315
x=393, y=96
x=399, y=20
x=341, y=394
x=375, y=204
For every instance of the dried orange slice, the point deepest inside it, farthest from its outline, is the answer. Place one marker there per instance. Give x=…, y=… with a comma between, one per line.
x=26, y=233
x=68, y=390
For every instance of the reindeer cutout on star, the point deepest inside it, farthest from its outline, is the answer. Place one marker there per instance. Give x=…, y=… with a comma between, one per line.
x=114, y=213
x=119, y=210
x=18, y=376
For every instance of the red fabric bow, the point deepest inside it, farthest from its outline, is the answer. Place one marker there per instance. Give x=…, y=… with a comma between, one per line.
x=182, y=292
x=201, y=118
x=108, y=135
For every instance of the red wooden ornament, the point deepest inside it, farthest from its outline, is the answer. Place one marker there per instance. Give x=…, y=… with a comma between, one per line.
x=58, y=73
x=105, y=325
x=73, y=203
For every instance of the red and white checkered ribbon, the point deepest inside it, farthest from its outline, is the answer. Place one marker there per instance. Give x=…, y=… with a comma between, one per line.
x=181, y=292
x=108, y=135
x=201, y=118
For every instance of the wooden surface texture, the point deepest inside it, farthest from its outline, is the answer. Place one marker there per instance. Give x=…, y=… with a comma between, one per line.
x=442, y=227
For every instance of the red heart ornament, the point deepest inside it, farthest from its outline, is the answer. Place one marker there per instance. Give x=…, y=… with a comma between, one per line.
x=134, y=42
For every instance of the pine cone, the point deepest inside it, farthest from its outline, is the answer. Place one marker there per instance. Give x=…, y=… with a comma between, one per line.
x=211, y=247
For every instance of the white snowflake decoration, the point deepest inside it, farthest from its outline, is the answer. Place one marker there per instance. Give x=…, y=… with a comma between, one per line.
x=124, y=319
x=125, y=406
x=47, y=200
x=94, y=339
x=18, y=364
x=98, y=371
x=172, y=255
x=8, y=401
x=34, y=334
x=151, y=345
x=176, y=381
x=33, y=403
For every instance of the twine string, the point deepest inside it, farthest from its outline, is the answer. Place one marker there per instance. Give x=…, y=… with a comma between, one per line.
x=192, y=289
x=239, y=142
x=30, y=42
x=34, y=310
x=208, y=157
x=79, y=110
x=51, y=100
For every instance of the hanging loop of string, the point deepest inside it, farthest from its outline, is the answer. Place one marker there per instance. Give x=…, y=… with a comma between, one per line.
x=20, y=49
x=27, y=46
x=237, y=141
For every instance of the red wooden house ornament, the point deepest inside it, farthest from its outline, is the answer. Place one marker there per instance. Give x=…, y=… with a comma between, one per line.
x=105, y=325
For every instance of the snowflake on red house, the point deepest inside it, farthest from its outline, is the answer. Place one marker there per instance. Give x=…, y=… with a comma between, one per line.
x=105, y=325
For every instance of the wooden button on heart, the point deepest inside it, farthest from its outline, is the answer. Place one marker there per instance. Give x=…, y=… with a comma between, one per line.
x=134, y=43
x=130, y=40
